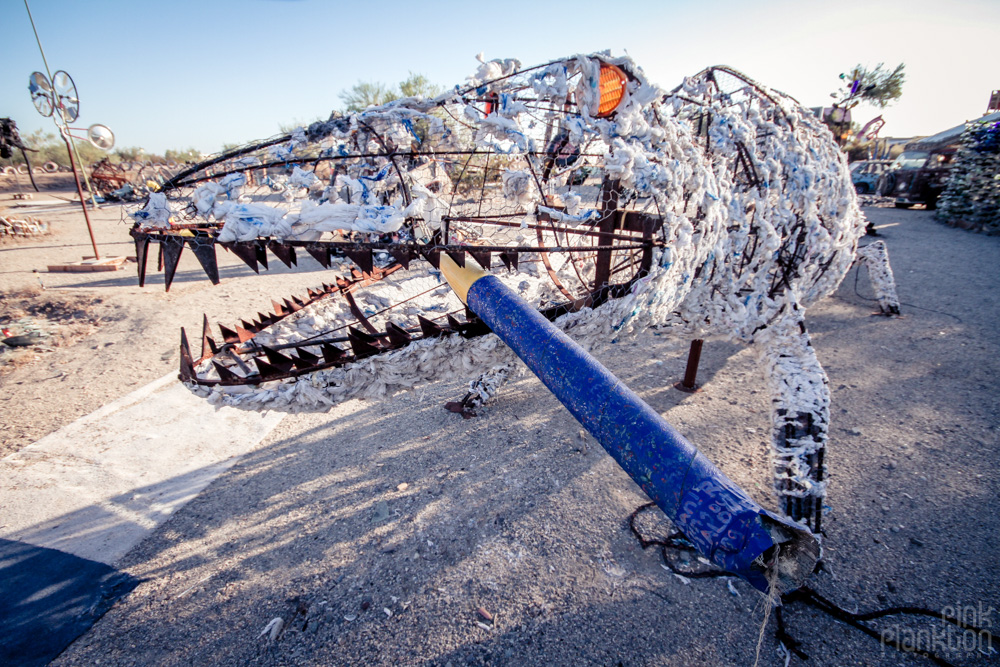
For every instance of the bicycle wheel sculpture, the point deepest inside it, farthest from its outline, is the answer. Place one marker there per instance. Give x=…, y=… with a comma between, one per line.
x=610, y=205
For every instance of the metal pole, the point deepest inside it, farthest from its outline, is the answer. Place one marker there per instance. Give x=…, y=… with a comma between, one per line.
x=719, y=518
x=689, y=383
x=79, y=190
x=83, y=168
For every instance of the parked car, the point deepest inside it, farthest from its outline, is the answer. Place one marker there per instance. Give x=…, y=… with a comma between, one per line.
x=917, y=177
x=865, y=174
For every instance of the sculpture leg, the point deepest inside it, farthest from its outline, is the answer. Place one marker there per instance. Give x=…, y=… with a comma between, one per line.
x=800, y=417
x=875, y=257
x=483, y=388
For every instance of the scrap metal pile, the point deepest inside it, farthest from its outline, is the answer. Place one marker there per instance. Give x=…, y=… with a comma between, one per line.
x=610, y=205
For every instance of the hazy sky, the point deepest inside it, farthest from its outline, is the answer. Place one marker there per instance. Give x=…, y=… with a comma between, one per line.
x=180, y=74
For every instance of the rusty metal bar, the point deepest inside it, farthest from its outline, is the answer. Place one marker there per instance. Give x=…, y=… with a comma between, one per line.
x=690, y=382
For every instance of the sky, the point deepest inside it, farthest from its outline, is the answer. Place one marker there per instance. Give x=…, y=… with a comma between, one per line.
x=185, y=74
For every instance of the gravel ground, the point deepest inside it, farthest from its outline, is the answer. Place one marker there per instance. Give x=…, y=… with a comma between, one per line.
x=394, y=532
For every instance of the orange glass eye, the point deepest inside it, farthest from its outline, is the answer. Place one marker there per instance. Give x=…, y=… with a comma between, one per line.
x=611, y=86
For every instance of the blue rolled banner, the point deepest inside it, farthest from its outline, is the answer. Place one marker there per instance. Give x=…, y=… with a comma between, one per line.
x=716, y=515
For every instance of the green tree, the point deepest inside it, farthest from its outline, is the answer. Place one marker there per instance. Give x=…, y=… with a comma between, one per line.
x=879, y=87
x=186, y=155
x=129, y=153
x=364, y=94
x=418, y=85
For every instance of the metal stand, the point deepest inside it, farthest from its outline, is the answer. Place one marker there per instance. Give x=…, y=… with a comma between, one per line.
x=689, y=383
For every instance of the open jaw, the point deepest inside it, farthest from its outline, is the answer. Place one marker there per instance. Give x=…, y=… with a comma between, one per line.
x=607, y=203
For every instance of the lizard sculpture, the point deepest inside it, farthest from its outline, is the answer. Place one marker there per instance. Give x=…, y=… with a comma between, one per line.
x=720, y=208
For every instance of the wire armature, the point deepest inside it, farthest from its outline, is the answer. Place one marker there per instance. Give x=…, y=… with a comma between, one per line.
x=676, y=542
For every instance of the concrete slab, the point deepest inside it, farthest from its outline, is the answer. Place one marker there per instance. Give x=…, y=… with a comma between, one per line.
x=98, y=486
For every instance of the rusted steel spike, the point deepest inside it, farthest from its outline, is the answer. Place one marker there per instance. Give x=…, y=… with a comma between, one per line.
x=187, y=363
x=207, y=344
x=332, y=353
x=305, y=361
x=398, y=336
x=454, y=324
x=261, y=251
x=482, y=258
x=171, y=247
x=292, y=306
x=243, y=334
x=204, y=250
x=401, y=255
x=299, y=302
x=429, y=329
x=320, y=253
x=284, y=252
x=458, y=256
x=279, y=310
x=509, y=260
x=159, y=256
x=362, y=257
x=363, y=335
x=306, y=356
x=312, y=293
x=245, y=251
x=469, y=315
x=265, y=320
x=280, y=361
x=226, y=375
x=141, y=255
x=228, y=335
x=434, y=257
x=249, y=326
x=267, y=371
x=362, y=348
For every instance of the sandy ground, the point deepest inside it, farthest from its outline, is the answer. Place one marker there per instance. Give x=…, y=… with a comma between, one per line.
x=377, y=531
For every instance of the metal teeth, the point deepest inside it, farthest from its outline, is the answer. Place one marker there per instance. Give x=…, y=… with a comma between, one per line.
x=204, y=250
x=332, y=353
x=402, y=256
x=434, y=257
x=243, y=334
x=170, y=249
x=228, y=335
x=362, y=257
x=430, y=329
x=305, y=360
x=187, y=363
x=284, y=252
x=277, y=359
x=458, y=256
x=362, y=344
x=509, y=260
x=226, y=375
x=320, y=253
x=208, y=346
x=266, y=371
x=482, y=258
x=247, y=251
x=398, y=336
x=141, y=255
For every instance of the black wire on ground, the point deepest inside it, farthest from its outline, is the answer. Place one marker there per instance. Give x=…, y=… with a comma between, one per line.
x=677, y=541
x=857, y=273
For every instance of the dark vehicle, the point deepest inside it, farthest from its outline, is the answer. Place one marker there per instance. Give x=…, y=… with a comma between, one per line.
x=865, y=174
x=917, y=177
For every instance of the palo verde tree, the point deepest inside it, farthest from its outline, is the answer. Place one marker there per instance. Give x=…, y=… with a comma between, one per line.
x=878, y=87
x=364, y=94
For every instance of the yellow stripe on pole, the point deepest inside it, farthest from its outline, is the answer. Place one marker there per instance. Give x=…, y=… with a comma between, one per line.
x=459, y=277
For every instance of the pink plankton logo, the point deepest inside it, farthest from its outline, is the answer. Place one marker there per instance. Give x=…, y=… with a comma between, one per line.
x=973, y=634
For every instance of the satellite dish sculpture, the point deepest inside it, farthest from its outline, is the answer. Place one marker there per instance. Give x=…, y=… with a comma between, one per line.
x=610, y=205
